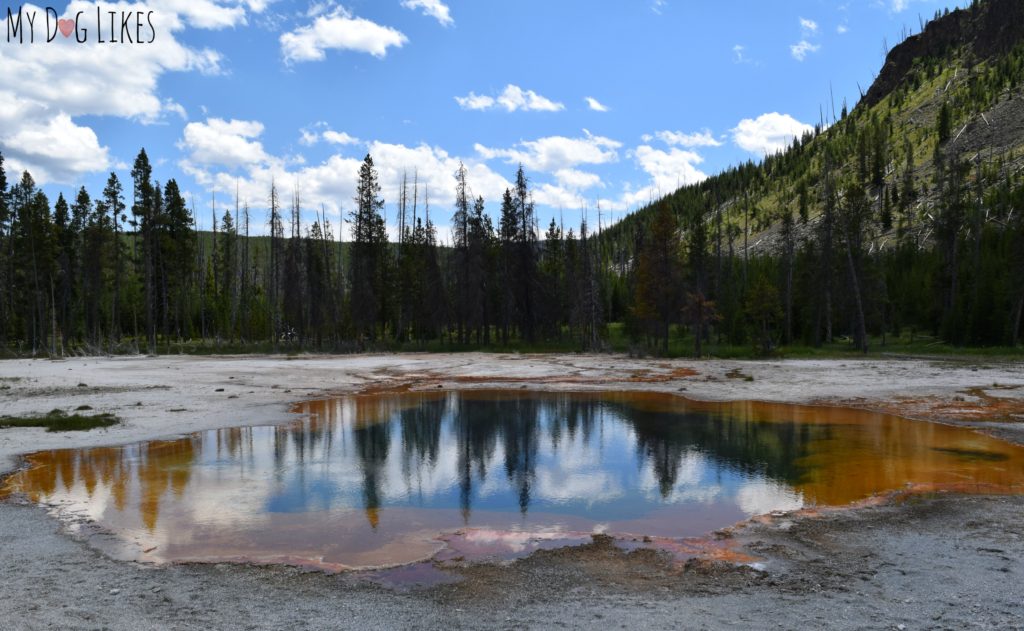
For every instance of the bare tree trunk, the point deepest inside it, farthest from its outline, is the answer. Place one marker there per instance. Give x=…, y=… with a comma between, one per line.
x=862, y=338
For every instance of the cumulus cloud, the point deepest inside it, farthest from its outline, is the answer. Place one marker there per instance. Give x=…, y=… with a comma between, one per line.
x=575, y=180
x=204, y=14
x=768, y=133
x=332, y=182
x=512, y=99
x=224, y=143
x=553, y=153
x=339, y=138
x=320, y=130
x=54, y=150
x=339, y=30
x=668, y=171
x=595, y=105
x=677, y=138
x=433, y=8
x=43, y=89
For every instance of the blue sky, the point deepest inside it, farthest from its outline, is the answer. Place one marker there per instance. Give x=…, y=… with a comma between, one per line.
x=606, y=103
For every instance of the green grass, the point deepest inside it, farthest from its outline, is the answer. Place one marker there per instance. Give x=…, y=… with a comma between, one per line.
x=616, y=340
x=61, y=421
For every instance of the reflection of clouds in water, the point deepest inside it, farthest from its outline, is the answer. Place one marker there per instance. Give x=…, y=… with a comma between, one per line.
x=540, y=456
x=693, y=482
x=593, y=487
x=758, y=497
x=511, y=540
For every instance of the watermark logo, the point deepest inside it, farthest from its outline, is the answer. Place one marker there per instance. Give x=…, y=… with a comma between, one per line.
x=31, y=25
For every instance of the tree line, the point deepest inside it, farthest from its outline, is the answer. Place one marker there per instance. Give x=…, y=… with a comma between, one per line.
x=130, y=271
x=866, y=245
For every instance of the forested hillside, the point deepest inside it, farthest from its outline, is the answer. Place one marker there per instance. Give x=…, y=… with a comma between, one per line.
x=900, y=217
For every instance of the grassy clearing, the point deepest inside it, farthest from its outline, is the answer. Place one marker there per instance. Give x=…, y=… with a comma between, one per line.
x=61, y=421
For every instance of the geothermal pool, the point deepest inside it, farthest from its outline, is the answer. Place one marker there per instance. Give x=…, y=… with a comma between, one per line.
x=388, y=479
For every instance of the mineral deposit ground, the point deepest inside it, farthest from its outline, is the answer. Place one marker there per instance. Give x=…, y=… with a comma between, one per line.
x=932, y=559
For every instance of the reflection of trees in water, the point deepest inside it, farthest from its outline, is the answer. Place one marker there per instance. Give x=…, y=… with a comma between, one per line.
x=569, y=417
x=163, y=466
x=156, y=467
x=520, y=429
x=735, y=442
x=421, y=433
x=476, y=436
x=372, y=441
x=477, y=426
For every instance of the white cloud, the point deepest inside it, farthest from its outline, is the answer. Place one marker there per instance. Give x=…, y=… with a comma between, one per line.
x=768, y=133
x=512, y=99
x=311, y=135
x=434, y=8
x=308, y=137
x=339, y=138
x=595, y=105
x=802, y=48
x=204, y=14
x=332, y=183
x=575, y=180
x=738, y=56
x=172, y=106
x=658, y=5
x=230, y=144
x=474, y=101
x=809, y=30
x=43, y=89
x=842, y=29
x=56, y=150
x=339, y=30
x=678, y=138
x=553, y=153
x=668, y=171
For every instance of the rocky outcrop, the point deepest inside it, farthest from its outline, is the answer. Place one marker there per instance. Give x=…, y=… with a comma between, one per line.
x=987, y=28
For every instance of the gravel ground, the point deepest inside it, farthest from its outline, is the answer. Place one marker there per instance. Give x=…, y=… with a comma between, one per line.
x=941, y=561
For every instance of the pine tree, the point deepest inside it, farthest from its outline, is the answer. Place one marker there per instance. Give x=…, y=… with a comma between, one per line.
x=658, y=279
x=460, y=236
x=174, y=262
x=368, y=268
x=144, y=221
x=113, y=205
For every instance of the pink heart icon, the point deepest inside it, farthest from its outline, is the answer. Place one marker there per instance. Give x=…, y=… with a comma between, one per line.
x=66, y=27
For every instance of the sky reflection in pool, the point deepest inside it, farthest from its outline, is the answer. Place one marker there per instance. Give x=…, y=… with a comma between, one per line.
x=370, y=481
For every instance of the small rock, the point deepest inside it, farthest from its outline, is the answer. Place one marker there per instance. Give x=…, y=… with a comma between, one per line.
x=115, y=592
x=219, y=390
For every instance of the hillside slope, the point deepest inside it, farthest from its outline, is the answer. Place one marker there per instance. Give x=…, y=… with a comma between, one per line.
x=970, y=60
